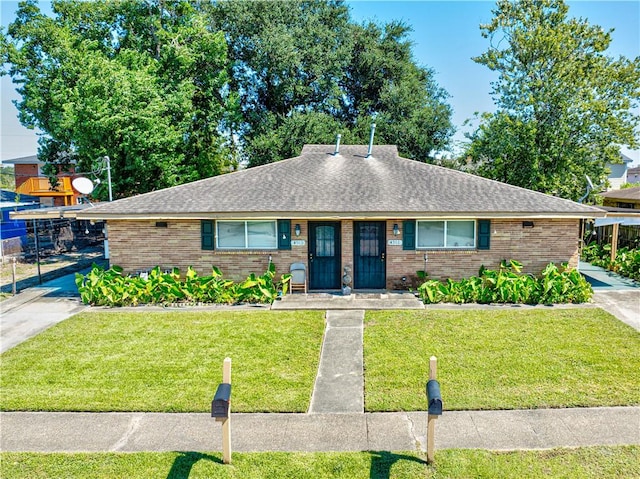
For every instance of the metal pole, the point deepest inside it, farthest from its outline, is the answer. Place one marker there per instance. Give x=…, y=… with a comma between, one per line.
x=373, y=130
x=35, y=233
x=108, y=160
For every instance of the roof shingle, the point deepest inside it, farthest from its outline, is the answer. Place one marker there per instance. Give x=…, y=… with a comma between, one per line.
x=348, y=185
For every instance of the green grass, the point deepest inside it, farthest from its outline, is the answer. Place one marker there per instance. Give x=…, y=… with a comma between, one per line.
x=581, y=463
x=165, y=362
x=171, y=361
x=505, y=359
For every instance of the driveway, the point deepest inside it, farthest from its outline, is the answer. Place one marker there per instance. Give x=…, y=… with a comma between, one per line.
x=615, y=294
x=36, y=309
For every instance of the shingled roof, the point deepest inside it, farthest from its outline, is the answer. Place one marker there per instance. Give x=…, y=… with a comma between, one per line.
x=625, y=194
x=319, y=184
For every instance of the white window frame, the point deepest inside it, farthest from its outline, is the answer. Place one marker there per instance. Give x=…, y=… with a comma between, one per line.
x=246, y=235
x=446, y=224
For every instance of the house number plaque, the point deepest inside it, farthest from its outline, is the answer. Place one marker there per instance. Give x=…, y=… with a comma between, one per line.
x=394, y=242
x=297, y=242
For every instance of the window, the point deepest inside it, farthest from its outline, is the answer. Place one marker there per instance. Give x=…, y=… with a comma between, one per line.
x=446, y=234
x=625, y=205
x=246, y=235
x=325, y=244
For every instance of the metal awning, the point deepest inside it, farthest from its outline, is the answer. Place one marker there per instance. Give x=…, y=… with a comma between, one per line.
x=55, y=212
x=621, y=220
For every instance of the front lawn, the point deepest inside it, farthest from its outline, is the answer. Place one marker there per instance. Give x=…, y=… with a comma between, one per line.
x=165, y=362
x=581, y=463
x=172, y=361
x=501, y=359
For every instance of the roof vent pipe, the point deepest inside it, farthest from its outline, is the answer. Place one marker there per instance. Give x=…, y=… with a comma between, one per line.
x=373, y=130
x=338, y=136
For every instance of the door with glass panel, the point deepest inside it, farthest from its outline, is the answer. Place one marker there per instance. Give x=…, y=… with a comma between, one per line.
x=324, y=255
x=369, y=255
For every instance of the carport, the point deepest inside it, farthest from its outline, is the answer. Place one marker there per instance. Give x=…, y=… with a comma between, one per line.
x=52, y=213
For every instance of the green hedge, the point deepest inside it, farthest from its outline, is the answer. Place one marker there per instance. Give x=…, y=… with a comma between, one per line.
x=111, y=287
x=509, y=285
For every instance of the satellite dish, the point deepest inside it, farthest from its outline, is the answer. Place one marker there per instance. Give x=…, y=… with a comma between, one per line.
x=83, y=185
x=589, y=182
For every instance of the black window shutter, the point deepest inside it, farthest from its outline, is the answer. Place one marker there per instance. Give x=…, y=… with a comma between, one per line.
x=207, y=234
x=409, y=234
x=284, y=234
x=484, y=234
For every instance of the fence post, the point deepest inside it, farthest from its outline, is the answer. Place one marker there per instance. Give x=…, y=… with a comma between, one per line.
x=13, y=276
x=431, y=418
x=226, y=424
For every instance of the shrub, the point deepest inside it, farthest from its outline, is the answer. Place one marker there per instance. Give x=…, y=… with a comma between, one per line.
x=626, y=263
x=509, y=285
x=111, y=287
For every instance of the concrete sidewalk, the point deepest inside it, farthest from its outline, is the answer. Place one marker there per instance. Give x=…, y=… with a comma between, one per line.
x=398, y=431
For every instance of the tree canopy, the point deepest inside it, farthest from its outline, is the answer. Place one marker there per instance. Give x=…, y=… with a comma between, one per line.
x=142, y=82
x=176, y=90
x=564, y=107
x=306, y=72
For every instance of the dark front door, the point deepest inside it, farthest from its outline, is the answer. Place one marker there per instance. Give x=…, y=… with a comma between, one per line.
x=369, y=255
x=324, y=255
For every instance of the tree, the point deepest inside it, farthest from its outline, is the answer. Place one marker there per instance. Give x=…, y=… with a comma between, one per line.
x=306, y=72
x=285, y=60
x=177, y=90
x=563, y=106
x=383, y=81
x=142, y=82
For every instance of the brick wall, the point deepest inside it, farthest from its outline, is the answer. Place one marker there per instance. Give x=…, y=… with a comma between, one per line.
x=346, y=228
x=139, y=245
x=548, y=241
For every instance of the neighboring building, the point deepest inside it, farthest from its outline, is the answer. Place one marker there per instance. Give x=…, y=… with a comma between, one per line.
x=621, y=227
x=619, y=172
x=382, y=216
x=31, y=181
x=625, y=198
x=633, y=175
x=13, y=232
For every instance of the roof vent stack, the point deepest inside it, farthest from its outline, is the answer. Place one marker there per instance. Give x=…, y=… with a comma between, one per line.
x=337, y=152
x=373, y=130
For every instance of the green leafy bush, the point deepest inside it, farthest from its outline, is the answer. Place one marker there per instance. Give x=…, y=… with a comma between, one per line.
x=111, y=287
x=509, y=285
x=626, y=263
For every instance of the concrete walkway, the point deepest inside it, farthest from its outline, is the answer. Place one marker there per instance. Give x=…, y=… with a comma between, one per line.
x=397, y=431
x=605, y=280
x=339, y=386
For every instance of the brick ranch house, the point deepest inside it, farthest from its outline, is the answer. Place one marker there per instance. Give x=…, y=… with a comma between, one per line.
x=383, y=216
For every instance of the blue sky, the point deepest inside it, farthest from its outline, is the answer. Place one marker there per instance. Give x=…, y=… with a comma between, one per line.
x=446, y=35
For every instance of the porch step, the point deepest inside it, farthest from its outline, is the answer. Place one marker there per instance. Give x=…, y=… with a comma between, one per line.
x=329, y=301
